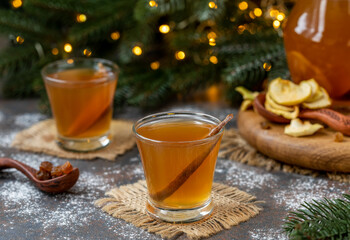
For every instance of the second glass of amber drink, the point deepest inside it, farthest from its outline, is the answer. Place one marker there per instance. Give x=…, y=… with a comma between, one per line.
x=179, y=161
x=81, y=93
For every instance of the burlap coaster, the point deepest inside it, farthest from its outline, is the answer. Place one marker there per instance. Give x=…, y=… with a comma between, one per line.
x=231, y=206
x=41, y=138
x=235, y=148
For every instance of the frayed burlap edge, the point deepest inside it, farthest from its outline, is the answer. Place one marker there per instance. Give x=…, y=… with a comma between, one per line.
x=231, y=206
x=234, y=147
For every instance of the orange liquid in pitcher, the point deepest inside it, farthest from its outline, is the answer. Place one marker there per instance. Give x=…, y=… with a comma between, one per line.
x=82, y=105
x=317, y=38
x=164, y=161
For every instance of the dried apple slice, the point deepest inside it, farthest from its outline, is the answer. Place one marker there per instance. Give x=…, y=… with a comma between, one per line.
x=297, y=128
x=323, y=102
x=246, y=104
x=285, y=114
x=315, y=90
x=246, y=94
x=286, y=93
x=276, y=105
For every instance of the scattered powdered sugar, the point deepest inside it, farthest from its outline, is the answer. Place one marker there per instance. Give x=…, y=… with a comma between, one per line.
x=267, y=234
x=28, y=119
x=246, y=178
x=305, y=189
x=6, y=138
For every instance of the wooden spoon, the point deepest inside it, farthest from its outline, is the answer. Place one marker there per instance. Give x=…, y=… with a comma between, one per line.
x=333, y=119
x=55, y=185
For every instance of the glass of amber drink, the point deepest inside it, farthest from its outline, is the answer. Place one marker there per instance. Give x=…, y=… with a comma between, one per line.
x=81, y=93
x=178, y=161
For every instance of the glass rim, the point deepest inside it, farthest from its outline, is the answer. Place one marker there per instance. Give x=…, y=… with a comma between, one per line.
x=114, y=67
x=172, y=113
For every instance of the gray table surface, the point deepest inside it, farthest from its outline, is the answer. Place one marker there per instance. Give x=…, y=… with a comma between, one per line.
x=27, y=213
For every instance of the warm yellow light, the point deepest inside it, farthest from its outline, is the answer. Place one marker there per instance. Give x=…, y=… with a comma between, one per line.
x=81, y=18
x=243, y=5
x=241, y=29
x=115, y=35
x=280, y=16
x=257, y=12
x=211, y=35
x=274, y=12
x=67, y=47
x=267, y=66
x=276, y=24
x=70, y=61
x=211, y=4
x=153, y=3
x=180, y=55
x=17, y=3
x=212, y=42
x=164, y=28
x=137, y=50
x=54, y=51
x=19, y=39
x=251, y=15
x=213, y=59
x=87, y=52
x=155, y=65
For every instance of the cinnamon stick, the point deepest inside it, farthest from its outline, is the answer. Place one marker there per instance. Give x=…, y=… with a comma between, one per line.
x=182, y=177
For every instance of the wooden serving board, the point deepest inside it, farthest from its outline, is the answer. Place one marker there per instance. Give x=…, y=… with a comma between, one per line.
x=318, y=151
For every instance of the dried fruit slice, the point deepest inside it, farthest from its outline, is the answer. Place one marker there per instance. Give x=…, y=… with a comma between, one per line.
x=323, y=102
x=246, y=104
x=276, y=105
x=285, y=114
x=297, y=128
x=315, y=90
x=286, y=93
x=246, y=94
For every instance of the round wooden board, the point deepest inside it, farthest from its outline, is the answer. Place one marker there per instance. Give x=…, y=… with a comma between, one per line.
x=318, y=151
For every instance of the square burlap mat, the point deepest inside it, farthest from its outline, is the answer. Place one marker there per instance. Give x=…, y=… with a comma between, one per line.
x=41, y=138
x=231, y=206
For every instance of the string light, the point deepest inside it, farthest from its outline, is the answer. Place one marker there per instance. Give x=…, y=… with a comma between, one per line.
x=212, y=42
x=280, y=16
x=274, y=12
x=164, y=28
x=252, y=15
x=243, y=5
x=155, y=65
x=257, y=12
x=87, y=52
x=211, y=35
x=241, y=29
x=19, y=39
x=137, y=50
x=70, y=61
x=115, y=35
x=213, y=60
x=17, y=3
x=212, y=5
x=267, y=66
x=81, y=18
x=153, y=3
x=54, y=51
x=276, y=24
x=180, y=55
x=67, y=47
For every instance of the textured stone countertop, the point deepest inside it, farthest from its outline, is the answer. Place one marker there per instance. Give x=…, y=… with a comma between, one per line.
x=26, y=213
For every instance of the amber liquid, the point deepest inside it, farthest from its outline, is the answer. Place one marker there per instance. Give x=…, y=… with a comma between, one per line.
x=82, y=103
x=317, y=37
x=165, y=160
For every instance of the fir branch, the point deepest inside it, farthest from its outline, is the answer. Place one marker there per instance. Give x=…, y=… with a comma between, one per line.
x=325, y=219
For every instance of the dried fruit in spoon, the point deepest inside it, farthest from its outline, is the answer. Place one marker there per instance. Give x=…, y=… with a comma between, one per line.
x=48, y=171
x=297, y=128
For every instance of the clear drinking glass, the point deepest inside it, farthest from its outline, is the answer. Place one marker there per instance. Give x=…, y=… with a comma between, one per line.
x=81, y=93
x=178, y=161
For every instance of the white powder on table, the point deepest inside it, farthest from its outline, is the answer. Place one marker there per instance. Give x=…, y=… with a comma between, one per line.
x=28, y=119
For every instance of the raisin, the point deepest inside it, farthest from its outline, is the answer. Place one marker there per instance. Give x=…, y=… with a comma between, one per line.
x=338, y=137
x=56, y=172
x=46, y=166
x=43, y=175
x=67, y=167
x=265, y=125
